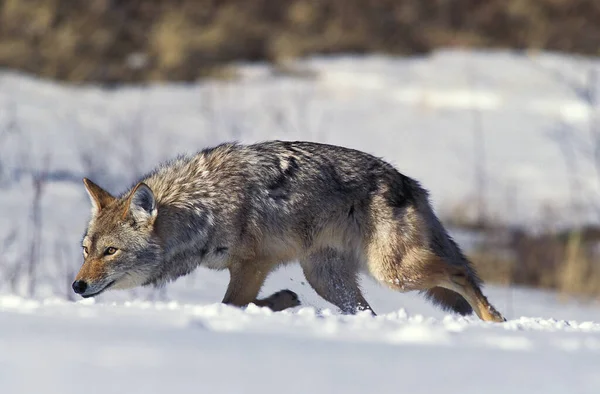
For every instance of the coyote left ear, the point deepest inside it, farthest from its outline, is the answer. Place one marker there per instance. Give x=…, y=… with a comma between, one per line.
x=142, y=204
x=99, y=197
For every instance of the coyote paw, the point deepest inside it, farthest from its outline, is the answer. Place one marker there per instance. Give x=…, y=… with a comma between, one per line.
x=281, y=300
x=494, y=315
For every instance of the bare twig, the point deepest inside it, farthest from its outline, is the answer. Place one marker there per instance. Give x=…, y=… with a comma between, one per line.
x=62, y=255
x=573, y=147
x=39, y=180
x=479, y=151
x=5, y=266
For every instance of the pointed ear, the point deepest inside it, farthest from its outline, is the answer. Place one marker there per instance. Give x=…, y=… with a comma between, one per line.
x=142, y=204
x=99, y=197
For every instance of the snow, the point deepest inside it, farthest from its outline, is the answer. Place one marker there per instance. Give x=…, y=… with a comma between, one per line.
x=418, y=113
x=107, y=345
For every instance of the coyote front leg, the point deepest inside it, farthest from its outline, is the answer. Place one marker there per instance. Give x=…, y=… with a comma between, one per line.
x=245, y=282
x=334, y=277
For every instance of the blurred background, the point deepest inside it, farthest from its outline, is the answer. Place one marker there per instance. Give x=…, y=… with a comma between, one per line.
x=491, y=104
x=112, y=42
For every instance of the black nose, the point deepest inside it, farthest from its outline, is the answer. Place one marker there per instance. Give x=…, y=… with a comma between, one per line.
x=79, y=286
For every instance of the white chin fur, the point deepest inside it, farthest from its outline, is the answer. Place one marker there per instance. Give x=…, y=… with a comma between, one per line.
x=130, y=281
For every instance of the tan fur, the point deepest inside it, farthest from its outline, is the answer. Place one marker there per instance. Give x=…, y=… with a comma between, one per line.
x=92, y=270
x=99, y=197
x=459, y=282
x=245, y=282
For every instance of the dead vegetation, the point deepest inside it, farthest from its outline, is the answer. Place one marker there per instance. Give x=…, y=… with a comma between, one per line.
x=110, y=41
x=565, y=261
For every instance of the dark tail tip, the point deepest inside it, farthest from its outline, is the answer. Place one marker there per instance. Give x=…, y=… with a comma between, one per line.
x=449, y=300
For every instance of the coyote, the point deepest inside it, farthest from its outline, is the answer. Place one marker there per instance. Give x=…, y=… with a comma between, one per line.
x=251, y=208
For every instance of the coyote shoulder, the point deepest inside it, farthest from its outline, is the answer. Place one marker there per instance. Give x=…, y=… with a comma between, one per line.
x=250, y=208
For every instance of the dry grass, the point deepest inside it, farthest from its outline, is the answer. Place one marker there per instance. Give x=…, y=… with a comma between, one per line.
x=95, y=40
x=563, y=260
x=566, y=262
x=547, y=256
x=580, y=272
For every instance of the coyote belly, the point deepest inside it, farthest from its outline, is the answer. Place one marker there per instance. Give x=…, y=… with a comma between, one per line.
x=250, y=208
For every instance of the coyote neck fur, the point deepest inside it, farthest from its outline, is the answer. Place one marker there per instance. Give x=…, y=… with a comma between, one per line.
x=190, y=193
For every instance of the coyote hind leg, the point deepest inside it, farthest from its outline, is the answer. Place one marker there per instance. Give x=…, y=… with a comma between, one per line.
x=422, y=270
x=334, y=278
x=408, y=249
x=459, y=278
x=459, y=281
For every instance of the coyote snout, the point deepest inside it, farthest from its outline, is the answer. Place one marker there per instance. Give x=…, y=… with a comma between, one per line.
x=80, y=286
x=250, y=208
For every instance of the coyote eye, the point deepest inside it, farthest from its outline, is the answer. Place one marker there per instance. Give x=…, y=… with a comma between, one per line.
x=85, y=251
x=110, y=251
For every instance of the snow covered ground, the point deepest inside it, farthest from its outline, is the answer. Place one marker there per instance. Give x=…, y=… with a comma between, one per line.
x=190, y=343
x=422, y=114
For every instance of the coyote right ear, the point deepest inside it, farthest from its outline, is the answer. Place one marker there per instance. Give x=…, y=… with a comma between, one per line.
x=99, y=197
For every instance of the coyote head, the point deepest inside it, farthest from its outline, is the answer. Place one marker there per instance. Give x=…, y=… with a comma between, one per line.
x=120, y=248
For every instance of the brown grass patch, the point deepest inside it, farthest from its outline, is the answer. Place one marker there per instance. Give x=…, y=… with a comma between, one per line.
x=183, y=40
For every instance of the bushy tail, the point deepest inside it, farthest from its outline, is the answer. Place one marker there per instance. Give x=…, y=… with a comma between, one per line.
x=443, y=246
x=448, y=300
